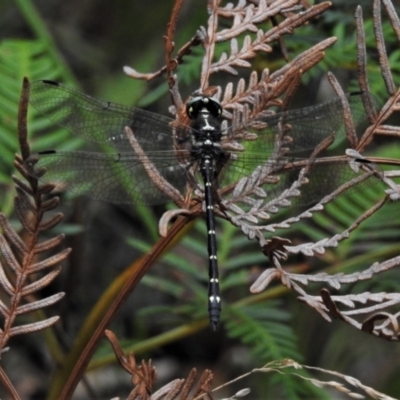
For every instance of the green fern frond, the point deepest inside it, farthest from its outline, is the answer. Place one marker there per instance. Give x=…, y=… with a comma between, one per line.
x=265, y=330
x=20, y=58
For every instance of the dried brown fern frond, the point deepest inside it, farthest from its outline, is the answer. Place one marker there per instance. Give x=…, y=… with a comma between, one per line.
x=339, y=383
x=245, y=20
x=392, y=104
x=247, y=23
x=144, y=378
x=22, y=274
x=370, y=312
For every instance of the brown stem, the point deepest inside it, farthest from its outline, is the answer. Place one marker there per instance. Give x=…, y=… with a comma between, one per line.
x=8, y=385
x=83, y=357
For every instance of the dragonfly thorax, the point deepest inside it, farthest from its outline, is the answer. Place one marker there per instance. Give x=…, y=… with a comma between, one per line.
x=205, y=113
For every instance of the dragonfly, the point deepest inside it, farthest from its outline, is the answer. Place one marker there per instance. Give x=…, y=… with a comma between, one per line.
x=150, y=159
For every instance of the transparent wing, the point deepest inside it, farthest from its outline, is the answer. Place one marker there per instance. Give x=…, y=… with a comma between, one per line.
x=325, y=176
x=281, y=138
x=294, y=131
x=119, y=177
x=101, y=121
x=116, y=178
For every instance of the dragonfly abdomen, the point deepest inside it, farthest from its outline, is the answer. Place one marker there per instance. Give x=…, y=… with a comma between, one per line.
x=214, y=296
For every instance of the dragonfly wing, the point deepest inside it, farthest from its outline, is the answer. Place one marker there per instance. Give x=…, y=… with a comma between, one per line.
x=275, y=143
x=294, y=131
x=269, y=180
x=101, y=121
x=116, y=178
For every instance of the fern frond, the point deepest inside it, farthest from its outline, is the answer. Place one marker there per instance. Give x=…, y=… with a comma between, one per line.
x=19, y=58
x=22, y=276
x=266, y=332
x=264, y=329
x=145, y=375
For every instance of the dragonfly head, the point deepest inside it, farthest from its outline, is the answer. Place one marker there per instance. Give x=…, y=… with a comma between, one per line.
x=203, y=105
